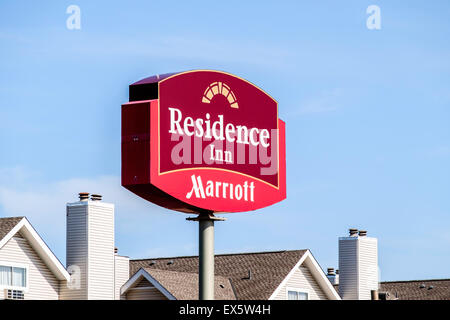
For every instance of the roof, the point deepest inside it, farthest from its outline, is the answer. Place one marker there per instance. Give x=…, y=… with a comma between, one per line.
x=253, y=275
x=10, y=226
x=436, y=289
x=7, y=224
x=171, y=280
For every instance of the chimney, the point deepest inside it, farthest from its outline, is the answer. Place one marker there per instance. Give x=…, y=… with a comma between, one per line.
x=84, y=196
x=90, y=249
x=96, y=197
x=332, y=276
x=358, y=265
x=121, y=272
x=374, y=295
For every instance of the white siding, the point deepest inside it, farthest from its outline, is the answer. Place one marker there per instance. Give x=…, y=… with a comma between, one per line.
x=122, y=273
x=90, y=246
x=42, y=284
x=100, y=251
x=302, y=279
x=368, y=267
x=145, y=294
x=348, y=268
x=76, y=250
x=358, y=267
x=144, y=290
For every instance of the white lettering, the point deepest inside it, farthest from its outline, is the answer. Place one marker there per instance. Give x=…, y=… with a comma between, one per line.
x=252, y=130
x=230, y=129
x=188, y=122
x=174, y=122
x=264, y=135
x=219, y=189
x=202, y=128
x=197, y=188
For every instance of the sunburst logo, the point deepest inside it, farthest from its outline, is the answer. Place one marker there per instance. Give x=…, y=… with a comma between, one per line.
x=216, y=88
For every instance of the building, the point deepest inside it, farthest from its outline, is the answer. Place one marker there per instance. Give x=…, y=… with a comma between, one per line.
x=438, y=289
x=28, y=268
x=276, y=275
x=94, y=270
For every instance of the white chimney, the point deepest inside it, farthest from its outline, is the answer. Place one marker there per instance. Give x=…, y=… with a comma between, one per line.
x=333, y=276
x=358, y=265
x=90, y=254
x=121, y=273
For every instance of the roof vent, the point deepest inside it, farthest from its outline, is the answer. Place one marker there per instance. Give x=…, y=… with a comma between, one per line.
x=96, y=197
x=430, y=287
x=116, y=250
x=249, y=276
x=353, y=232
x=152, y=263
x=170, y=262
x=422, y=286
x=383, y=295
x=222, y=286
x=84, y=196
x=330, y=272
x=362, y=233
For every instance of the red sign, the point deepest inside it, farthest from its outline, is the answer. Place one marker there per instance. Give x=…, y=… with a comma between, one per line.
x=203, y=141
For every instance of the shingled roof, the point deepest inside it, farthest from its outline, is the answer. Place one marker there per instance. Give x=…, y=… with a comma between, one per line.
x=171, y=280
x=438, y=289
x=7, y=224
x=253, y=275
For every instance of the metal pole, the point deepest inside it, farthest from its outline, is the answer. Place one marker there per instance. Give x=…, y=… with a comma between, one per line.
x=206, y=260
x=206, y=254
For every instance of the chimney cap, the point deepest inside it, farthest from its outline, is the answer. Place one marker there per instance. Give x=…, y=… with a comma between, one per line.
x=84, y=196
x=96, y=197
x=330, y=272
x=353, y=232
x=362, y=233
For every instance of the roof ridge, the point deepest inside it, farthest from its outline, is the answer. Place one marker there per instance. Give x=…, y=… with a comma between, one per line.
x=16, y=217
x=165, y=270
x=424, y=280
x=7, y=224
x=175, y=271
x=221, y=254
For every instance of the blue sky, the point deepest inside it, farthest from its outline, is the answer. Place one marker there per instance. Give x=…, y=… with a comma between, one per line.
x=367, y=116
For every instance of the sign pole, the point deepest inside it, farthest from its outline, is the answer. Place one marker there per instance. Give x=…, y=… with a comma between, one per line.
x=206, y=253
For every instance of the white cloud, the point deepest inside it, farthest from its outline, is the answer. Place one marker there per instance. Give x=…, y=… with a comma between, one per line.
x=22, y=193
x=142, y=229
x=45, y=201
